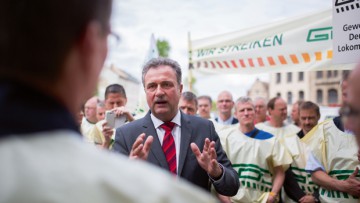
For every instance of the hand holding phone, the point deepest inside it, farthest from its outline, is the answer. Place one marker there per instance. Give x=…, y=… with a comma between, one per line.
x=113, y=121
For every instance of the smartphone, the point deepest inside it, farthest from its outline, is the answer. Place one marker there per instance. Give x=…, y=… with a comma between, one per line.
x=113, y=121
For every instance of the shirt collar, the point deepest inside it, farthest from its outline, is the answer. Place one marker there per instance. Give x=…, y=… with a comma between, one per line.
x=157, y=122
x=228, y=121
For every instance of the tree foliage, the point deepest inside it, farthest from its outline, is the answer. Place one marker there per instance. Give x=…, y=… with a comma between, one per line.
x=163, y=47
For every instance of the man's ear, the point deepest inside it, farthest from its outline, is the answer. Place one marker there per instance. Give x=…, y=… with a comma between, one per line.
x=90, y=35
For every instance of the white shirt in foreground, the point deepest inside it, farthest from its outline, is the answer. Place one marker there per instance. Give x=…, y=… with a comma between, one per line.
x=58, y=166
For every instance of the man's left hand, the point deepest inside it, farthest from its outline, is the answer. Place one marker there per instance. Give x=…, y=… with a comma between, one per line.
x=207, y=158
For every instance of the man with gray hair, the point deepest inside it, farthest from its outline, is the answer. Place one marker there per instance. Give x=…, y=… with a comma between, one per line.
x=188, y=103
x=186, y=146
x=258, y=156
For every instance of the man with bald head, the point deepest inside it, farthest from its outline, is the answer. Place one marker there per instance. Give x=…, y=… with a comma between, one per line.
x=224, y=106
x=278, y=113
x=89, y=119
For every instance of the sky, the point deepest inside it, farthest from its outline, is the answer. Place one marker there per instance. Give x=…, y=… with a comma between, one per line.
x=135, y=20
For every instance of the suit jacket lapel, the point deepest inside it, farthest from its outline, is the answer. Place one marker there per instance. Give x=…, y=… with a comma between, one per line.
x=185, y=140
x=156, y=149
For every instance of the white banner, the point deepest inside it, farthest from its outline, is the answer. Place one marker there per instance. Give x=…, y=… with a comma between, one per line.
x=346, y=21
x=298, y=44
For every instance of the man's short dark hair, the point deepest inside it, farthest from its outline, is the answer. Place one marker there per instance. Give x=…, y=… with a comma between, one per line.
x=205, y=97
x=156, y=62
x=37, y=35
x=190, y=97
x=271, y=103
x=115, y=89
x=308, y=105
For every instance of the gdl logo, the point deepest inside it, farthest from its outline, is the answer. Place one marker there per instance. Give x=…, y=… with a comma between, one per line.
x=346, y=5
x=320, y=34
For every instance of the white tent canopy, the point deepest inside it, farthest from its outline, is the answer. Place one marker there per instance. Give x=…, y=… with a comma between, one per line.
x=295, y=44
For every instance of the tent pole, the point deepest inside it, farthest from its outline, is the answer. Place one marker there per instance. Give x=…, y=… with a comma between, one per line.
x=190, y=76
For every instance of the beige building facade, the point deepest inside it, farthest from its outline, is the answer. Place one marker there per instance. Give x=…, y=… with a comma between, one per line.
x=320, y=87
x=259, y=89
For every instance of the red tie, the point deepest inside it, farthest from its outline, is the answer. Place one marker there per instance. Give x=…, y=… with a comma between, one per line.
x=168, y=146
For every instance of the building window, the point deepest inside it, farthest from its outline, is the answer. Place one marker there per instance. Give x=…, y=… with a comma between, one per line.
x=329, y=73
x=335, y=73
x=332, y=96
x=301, y=95
x=278, y=94
x=289, y=98
x=319, y=74
x=278, y=78
x=345, y=72
x=289, y=77
x=319, y=96
x=301, y=76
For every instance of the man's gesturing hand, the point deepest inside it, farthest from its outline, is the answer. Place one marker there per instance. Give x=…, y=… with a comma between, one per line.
x=207, y=158
x=140, y=150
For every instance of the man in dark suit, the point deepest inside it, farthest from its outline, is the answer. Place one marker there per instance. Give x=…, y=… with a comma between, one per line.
x=165, y=135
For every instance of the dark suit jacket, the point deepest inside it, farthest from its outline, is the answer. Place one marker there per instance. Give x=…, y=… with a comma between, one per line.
x=193, y=129
x=338, y=123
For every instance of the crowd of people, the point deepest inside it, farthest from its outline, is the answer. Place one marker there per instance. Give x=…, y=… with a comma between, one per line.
x=176, y=152
x=275, y=161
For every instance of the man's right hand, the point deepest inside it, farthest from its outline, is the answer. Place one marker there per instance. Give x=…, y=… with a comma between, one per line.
x=352, y=185
x=307, y=199
x=107, y=132
x=140, y=150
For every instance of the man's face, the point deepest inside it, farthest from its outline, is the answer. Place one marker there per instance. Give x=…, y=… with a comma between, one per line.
x=162, y=92
x=114, y=100
x=225, y=103
x=279, y=112
x=308, y=119
x=188, y=107
x=295, y=113
x=260, y=110
x=353, y=119
x=90, y=110
x=204, y=108
x=245, y=113
x=100, y=113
